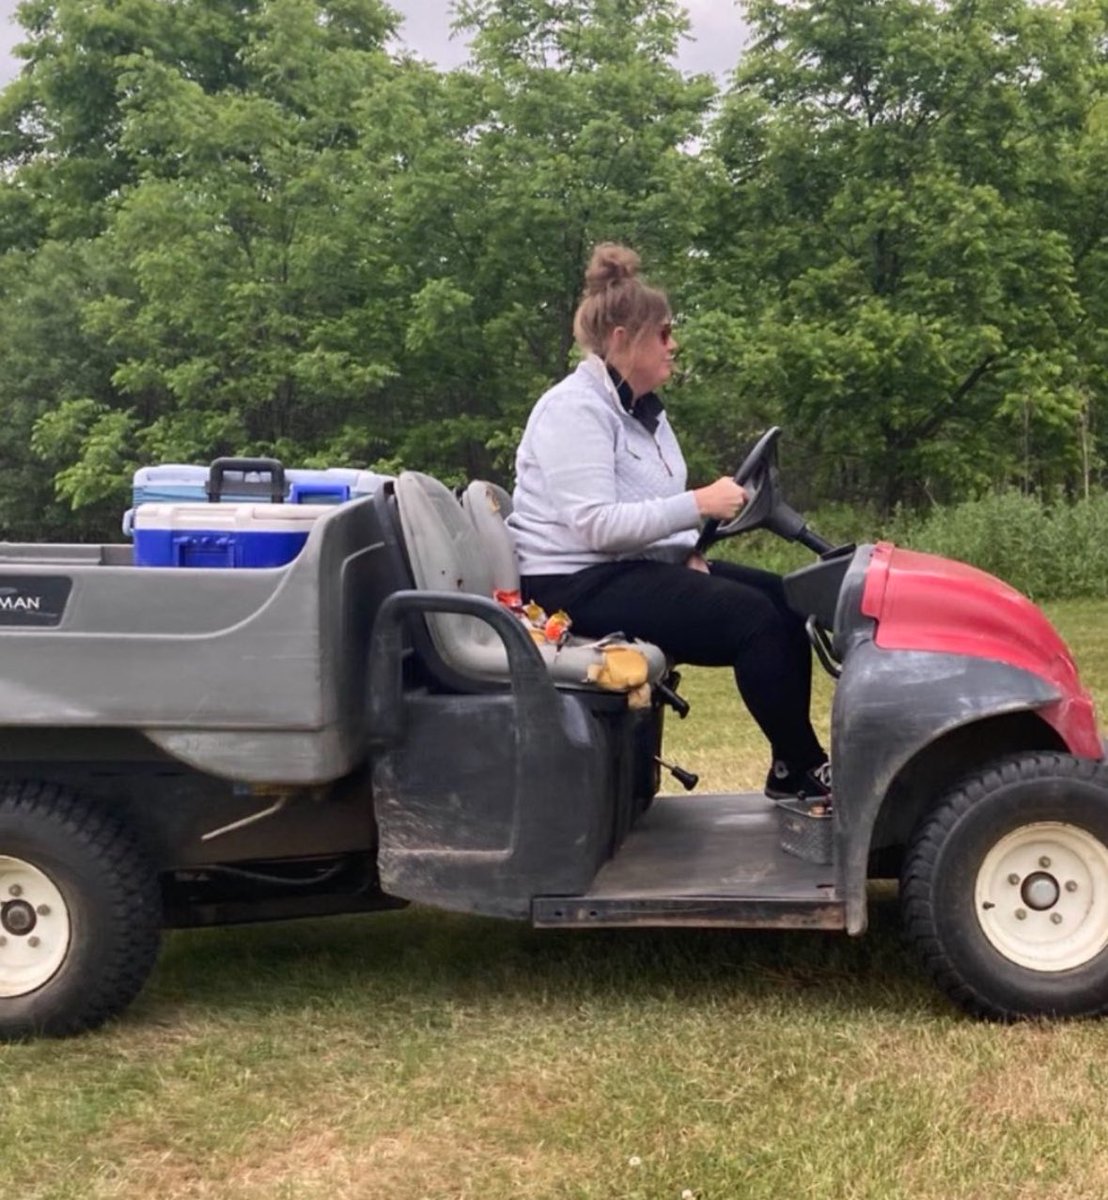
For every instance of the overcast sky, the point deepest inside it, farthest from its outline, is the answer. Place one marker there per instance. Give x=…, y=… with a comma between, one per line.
x=716, y=28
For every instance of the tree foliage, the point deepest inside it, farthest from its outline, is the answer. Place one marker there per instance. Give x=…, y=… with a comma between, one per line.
x=253, y=227
x=908, y=196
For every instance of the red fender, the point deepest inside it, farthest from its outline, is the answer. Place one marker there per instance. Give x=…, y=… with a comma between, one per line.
x=924, y=602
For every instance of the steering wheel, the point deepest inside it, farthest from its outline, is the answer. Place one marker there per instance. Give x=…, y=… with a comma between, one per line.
x=764, y=507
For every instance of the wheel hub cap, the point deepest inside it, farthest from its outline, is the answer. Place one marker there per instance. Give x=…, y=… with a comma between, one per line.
x=1041, y=896
x=17, y=917
x=1040, y=891
x=35, y=927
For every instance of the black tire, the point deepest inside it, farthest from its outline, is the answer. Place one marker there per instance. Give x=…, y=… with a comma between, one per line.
x=82, y=950
x=1002, y=935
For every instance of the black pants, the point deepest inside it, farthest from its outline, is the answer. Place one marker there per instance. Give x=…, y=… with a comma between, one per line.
x=736, y=616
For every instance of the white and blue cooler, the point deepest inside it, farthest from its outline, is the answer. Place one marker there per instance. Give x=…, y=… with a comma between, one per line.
x=236, y=481
x=222, y=535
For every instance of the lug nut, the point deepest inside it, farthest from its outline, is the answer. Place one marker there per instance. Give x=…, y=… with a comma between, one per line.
x=15, y=890
x=1021, y=914
x=1013, y=879
x=33, y=942
x=1071, y=885
x=1044, y=861
x=43, y=910
x=1056, y=918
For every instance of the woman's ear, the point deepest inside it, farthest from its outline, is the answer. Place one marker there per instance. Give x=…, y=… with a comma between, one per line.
x=618, y=340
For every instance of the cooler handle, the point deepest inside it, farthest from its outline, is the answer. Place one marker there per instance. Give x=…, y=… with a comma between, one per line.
x=313, y=492
x=244, y=466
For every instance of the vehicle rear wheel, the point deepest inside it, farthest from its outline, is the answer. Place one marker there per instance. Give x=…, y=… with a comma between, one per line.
x=1005, y=889
x=80, y=913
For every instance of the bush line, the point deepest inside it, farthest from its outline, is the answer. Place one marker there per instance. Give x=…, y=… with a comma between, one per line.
x=1048, y=549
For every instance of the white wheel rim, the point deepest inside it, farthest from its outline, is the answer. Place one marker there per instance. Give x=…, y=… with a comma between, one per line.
x=34, y=927
x=1042, y=896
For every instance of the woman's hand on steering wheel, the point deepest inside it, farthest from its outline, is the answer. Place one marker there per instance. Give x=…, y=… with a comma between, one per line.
x=721, y=500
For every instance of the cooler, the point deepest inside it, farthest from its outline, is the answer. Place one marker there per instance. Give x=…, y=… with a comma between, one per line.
x=237, y=480
x=222, y=535
x=171, y=483
x=185, y=483
x=334, y=480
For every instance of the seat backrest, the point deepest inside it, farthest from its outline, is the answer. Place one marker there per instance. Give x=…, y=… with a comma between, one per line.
x=487, y=505
x=446, y=554
x=499, y=499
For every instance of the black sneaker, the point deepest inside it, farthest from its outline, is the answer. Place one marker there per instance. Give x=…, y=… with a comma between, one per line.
x=783, y=783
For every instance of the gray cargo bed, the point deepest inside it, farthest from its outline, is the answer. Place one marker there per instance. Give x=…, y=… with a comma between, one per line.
x=256, y=675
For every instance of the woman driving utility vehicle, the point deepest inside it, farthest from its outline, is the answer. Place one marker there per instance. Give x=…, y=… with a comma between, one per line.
x=605, y=527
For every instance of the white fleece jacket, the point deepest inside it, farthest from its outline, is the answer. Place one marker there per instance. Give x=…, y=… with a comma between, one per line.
x=594, y=485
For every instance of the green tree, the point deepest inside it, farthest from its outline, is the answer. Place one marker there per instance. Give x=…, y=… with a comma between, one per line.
x=571, y=125
x=240, y=308
x=61, y=120
x=313, y=249
x=48, y=363
x=904, y=194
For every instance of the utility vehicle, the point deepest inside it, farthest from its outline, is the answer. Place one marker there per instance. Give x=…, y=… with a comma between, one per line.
x=366, y=726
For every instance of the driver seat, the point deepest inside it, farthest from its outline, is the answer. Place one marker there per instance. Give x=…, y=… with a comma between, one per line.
x=470, y=550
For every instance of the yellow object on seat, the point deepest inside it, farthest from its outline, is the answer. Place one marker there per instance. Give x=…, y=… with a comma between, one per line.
x=622, y=668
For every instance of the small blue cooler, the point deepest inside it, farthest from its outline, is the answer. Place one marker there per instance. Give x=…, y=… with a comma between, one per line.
x=222, y=535
x=171, y=483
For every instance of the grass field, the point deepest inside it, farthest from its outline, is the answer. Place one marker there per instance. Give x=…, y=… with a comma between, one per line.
x=422, y=1056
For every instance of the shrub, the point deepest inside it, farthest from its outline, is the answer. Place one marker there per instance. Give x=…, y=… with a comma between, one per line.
x=1050, y=550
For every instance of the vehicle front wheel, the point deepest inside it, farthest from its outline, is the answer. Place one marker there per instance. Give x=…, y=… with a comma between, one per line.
x=80, y=913
x=1005, y=889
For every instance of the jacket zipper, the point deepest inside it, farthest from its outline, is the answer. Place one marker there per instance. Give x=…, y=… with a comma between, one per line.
x=658, y=447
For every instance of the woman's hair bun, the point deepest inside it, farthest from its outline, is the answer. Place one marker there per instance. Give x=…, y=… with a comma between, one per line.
x=615, y=295
x=610, y=263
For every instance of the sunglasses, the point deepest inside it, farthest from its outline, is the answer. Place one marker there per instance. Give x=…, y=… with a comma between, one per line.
x=666, y=332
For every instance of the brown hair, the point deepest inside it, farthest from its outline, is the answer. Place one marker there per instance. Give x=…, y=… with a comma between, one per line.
x=615, y=295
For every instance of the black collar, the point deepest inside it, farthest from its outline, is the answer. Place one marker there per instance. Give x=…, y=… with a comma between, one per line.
x=647, y=409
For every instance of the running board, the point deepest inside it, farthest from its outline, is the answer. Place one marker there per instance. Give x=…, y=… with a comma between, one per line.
x=713, y=861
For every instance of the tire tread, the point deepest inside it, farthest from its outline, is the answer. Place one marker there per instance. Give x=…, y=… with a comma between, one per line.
x=918, y=915
x=115, y=851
